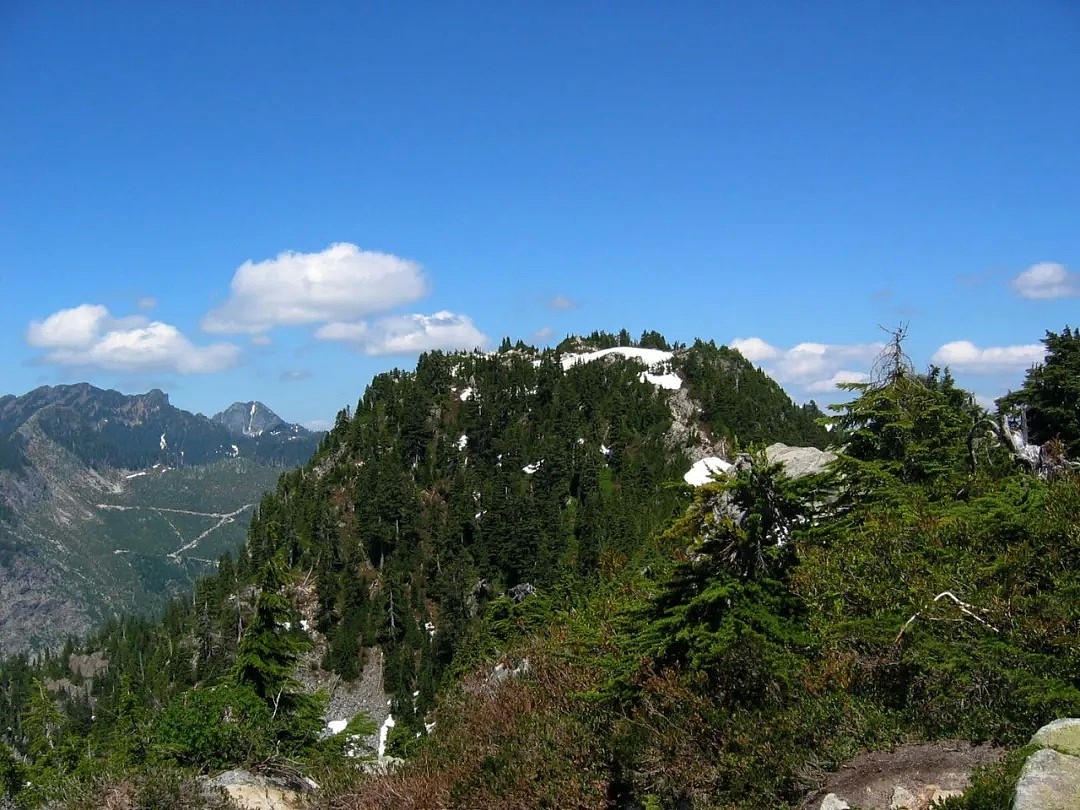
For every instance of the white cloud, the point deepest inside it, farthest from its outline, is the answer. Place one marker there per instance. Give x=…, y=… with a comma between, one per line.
x=821, y=386
x=356, y=333
x=318, y=424
x=542, y=335
x=77, y=327
x=89, y=336
x=754, y=349
x=294, y=375
x=963, y=355
x=146, y=303
x=341, y=283
x=562, y=302
x=814, y=366
x=261, y=340
x=407, y=334
x=1046, y=281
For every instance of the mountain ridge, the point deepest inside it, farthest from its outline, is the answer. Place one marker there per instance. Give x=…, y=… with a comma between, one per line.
x=112, y=501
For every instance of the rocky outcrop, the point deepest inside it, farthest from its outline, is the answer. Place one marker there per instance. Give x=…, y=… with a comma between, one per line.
x=799, y=461
x=688, y=433
x=1050, y=779
x=910, y=777
x=252, y=791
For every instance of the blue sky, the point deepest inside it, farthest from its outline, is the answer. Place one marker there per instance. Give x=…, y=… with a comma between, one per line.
x=278, y=200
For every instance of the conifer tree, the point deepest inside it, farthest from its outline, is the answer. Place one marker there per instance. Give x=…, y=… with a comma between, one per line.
x=268, y=651
x=1051, y=392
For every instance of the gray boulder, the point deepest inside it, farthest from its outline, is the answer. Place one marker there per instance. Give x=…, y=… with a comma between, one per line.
x=1061, y=735
x=1049, y=781
x=799, y=461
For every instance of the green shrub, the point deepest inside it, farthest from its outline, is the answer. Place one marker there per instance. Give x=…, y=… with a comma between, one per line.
x=215, y=727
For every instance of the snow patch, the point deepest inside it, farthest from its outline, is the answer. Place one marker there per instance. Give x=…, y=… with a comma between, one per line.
x=337, y=726
x=658, y=362
x=669, y=381
x=137, y=474
x=462, y=442
x=702, y=471
x=162, y=444
x=384, y=730
x=529, y=469
x=466, y=394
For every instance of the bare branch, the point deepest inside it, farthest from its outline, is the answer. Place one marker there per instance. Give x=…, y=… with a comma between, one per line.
x=962, y=606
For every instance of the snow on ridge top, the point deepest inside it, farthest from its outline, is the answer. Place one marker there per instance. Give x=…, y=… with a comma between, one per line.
x=657, y=360
x=649, y=357
x=702, y=471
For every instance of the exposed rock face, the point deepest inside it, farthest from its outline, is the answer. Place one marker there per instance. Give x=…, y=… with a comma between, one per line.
x=687, y=432
x=254, y=419
x=256, y=792
x=1050, y=779
x=799, y=461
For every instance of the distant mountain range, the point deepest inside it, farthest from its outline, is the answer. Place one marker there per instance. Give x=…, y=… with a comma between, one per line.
x=111, y=502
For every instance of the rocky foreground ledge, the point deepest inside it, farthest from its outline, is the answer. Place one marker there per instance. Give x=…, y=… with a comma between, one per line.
x=917, y=777
x=1050, y=779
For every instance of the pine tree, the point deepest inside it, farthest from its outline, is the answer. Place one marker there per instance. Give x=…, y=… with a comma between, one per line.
x=1051, y=392
x=268, y=651
x=43, y=726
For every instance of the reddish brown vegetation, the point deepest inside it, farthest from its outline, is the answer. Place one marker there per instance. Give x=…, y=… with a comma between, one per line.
x=516, y=743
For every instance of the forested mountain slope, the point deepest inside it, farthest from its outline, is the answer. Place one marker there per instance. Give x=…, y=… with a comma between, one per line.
x=563, y=622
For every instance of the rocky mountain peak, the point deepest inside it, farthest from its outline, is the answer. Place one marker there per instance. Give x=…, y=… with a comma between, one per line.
x=250, y=419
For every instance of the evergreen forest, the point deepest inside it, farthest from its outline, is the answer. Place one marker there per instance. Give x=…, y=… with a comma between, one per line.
x=561, y=621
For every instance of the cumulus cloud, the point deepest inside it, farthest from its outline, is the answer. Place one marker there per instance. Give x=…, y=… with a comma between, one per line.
x=963, y=355
x=754, y=349
x=1046, y=281
x=77, y=327
x=407, y=334
x=815, y=367
x=342, y=283
x=146, y=303
x=89, y=336
x=562, y=302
